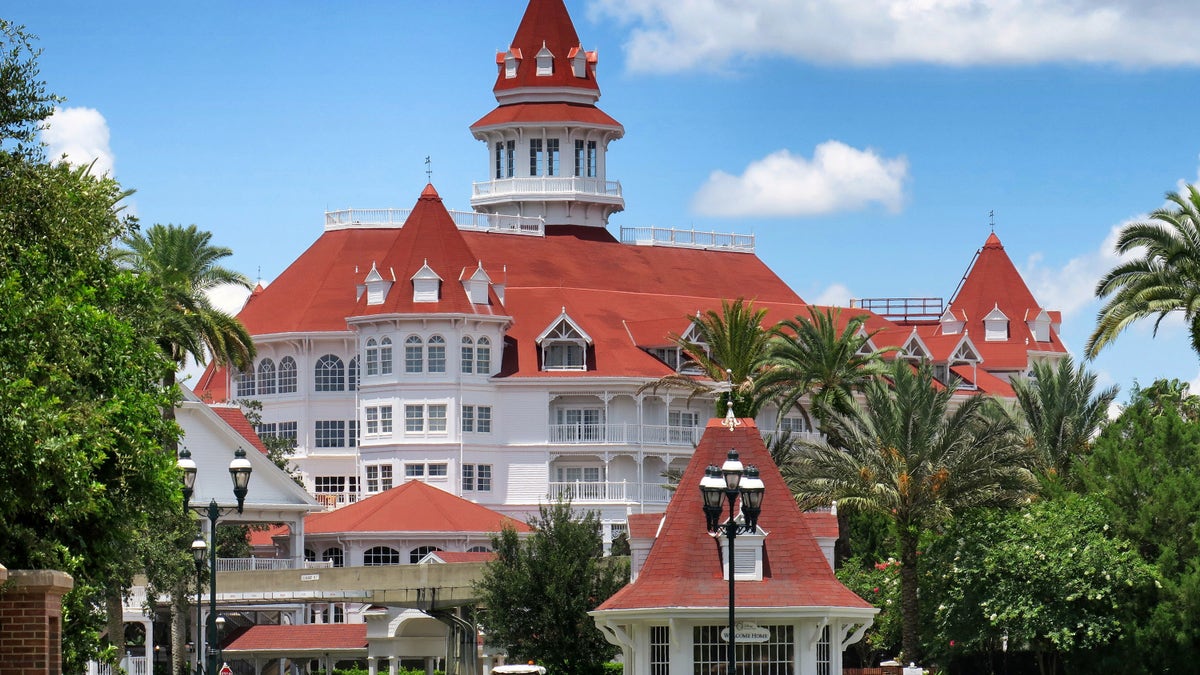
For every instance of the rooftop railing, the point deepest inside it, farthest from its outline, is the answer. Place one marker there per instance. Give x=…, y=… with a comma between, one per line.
x=348, y=219
x=562, y=186
x=665, y=236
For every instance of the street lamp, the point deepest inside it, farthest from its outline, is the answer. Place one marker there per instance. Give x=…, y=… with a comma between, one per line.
x=199, y=552
x=239, y=472
x=728, y=482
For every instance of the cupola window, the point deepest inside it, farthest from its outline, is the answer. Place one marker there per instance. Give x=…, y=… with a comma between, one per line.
x=545, y=62
x=427, y=284
x=995, y=326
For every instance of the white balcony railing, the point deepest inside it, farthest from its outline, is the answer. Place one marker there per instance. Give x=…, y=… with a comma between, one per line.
x=648, y=434
x=347, y=219
x=666, y=236
x=255, y=564
x=552, y=186
x=133, y=665
x=609, y=492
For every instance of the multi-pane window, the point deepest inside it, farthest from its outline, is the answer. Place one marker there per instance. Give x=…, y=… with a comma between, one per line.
x=681, y=425
x=660, y=650
x=266, y=430
x=437, y=417
x=438, y=470
x=564, y=348
x=287, y=375
x=580, y=424
x=334, y=556
x=329, y=484
x=372, y=357
x=536, y=157
x=385, y=356
x=477, y=418
x=277, y=430
x=415, y=555
x=437, y=354
x=579, y=145
x=824, y=662
x=414, y=418
x=330, y=374
x=793, y=424
x=710, y=650
x=379, y=420
x=578, y=474
x=505, y=151
x=414, y=354
x=288, y=431
x=330, y=433
x=591, y=159
x=483, y=356
x=352, y=380
x=381, y=555
x=352, y=433
x=245, y=383
x=499, y=159
x=379, y=477
x=266, y=376
x=414, y=470
x=552, y=165
x=468, y=355
x=477, y=477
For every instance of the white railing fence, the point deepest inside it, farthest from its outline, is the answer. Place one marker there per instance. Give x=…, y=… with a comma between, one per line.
x=547, y=185
x=133, y=665
x=581, y=433
x=348, y=219
x=668, y=236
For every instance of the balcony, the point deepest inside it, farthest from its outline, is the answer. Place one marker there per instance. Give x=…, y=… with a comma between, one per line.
x=678, y=238
x=609, y=492
x=624, y=434
x=553, y=188
x=258, y=564
x=350, y=219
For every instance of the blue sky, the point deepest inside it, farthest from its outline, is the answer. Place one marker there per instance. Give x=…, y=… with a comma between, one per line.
x=864, y=142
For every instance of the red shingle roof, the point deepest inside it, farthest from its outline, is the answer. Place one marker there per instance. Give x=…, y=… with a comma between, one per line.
x=411, y=507
x=546, y=22
x=684, y=566
x=297, y=638
x=547, y=114
x=643, y=525
x=234, y=417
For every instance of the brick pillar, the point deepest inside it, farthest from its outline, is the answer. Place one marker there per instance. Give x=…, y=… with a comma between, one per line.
x=31, y=621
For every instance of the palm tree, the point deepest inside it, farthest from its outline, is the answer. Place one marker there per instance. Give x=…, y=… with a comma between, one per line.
x=1063, y=412
x=906, y=454
x=1163, y=277
x=729, y=348
x=181, y=264
x=808, y=355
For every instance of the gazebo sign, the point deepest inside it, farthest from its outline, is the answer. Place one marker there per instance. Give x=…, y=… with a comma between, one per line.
x=747, y=632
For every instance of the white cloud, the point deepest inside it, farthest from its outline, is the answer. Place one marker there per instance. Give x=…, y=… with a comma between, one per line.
x=669, y=35
x=1072, y=287
x=838, y=178
x=82, y=135
x=837, y=295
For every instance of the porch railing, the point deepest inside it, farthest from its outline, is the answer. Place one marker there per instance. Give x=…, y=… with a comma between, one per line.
x=256, y=564
x=609, y=491
x=547, y=185
x=648, y=434
x=133, y=665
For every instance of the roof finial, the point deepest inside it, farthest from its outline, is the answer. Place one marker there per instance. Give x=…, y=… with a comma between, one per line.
x=730, y=421
x=992, y=220
x=428, y=170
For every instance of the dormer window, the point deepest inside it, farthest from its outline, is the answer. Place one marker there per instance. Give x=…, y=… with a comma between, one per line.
x=915, y=349
x=476, y=285
x=545, y=62
x=995, y=326
x=578, y=59
x=512, y=59
x=951, y=324
x=687, y=364
x=427, y=285
x=377, y=286
x=747, y=557
x=1039, y=325
x=564, y=345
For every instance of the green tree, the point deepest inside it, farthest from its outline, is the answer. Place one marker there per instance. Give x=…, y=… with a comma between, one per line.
x=1063, y=412
x=24, y=101
x=910, y=455
x=810, y=356
x=1161, y=276
x=81, y=393
x=1145, y=471
x=879, y=584
x=539, y=590
x=729, y=347
x=1051, y=579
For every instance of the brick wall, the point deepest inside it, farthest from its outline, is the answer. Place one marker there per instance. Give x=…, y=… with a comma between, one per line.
x=31, y=621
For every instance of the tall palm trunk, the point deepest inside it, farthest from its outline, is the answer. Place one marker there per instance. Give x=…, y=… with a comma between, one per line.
x=910, y=615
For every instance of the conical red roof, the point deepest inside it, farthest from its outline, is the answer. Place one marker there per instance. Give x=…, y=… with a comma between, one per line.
x=546, y=23
x=684, y=567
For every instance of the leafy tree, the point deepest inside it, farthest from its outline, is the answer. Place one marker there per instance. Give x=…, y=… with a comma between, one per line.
x=1050, y=579
x=879, y=584
x=81, y=393
x=729, y=348
x=539, y=590
x=810, y=356
x=1161, y=277
x=1145, y=471
x=24, y=101
x=908, y=455
x=1062, y=412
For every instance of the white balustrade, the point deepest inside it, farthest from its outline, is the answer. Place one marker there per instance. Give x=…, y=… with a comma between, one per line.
x=347, y=219
x=546, y=185
x=679, y=238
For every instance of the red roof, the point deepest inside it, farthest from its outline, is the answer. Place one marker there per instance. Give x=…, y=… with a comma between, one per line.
x=547, y=113
x=821, y=523
x=465, y=556
x=235, y=418
x=300, y=637
x=414, y=506
x=546, y=22
x=643, y=525
x=994, y=282
x=684, y=566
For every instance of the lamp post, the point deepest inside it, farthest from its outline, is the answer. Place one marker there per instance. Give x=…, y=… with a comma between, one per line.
x=239, y=472
x=728, y=482
x=199, y=553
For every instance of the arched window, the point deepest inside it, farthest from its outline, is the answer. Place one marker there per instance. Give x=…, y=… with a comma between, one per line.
x=381, y=555
x=468, y=355
x=479, y=549
x=287, y=375
x=414, y=354
x=330, y=374
x=483, y=356
x=334, y=555
x=310, y=555
x=437, y=354
x=372, y=357
x=352, y=380
x=245, y=383
x=385, y=356
x=266, y=376
x=419, y=552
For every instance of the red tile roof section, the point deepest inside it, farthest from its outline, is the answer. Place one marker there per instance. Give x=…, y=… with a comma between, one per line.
x=547, y=113
x=545, y=22
x=684, y=566
x=411, y=507
x=304, y=637
x=643, y=525
x=234, y=417
x=451, y=557
x=994, y=281
x=821, y=523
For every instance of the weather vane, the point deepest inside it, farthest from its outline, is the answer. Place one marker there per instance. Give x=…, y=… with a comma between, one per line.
x=428, y=170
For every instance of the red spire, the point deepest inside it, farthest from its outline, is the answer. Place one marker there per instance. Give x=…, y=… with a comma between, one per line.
x=546, y=24
x=993, y=242
x=430, y=193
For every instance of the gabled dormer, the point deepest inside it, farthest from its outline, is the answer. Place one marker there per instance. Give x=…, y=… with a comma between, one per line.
x=427, y=285
x=564, y=345
x=964, y=354
x=995, y=326
x=580, y=59
x=1038, y=321
x=952, y=324
x=509, y=61
x=747, y=555
x=545, y=61
x=914, y=348
x=377, y=286
x=868, y=346
x=476, y=285
x=693, y=335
